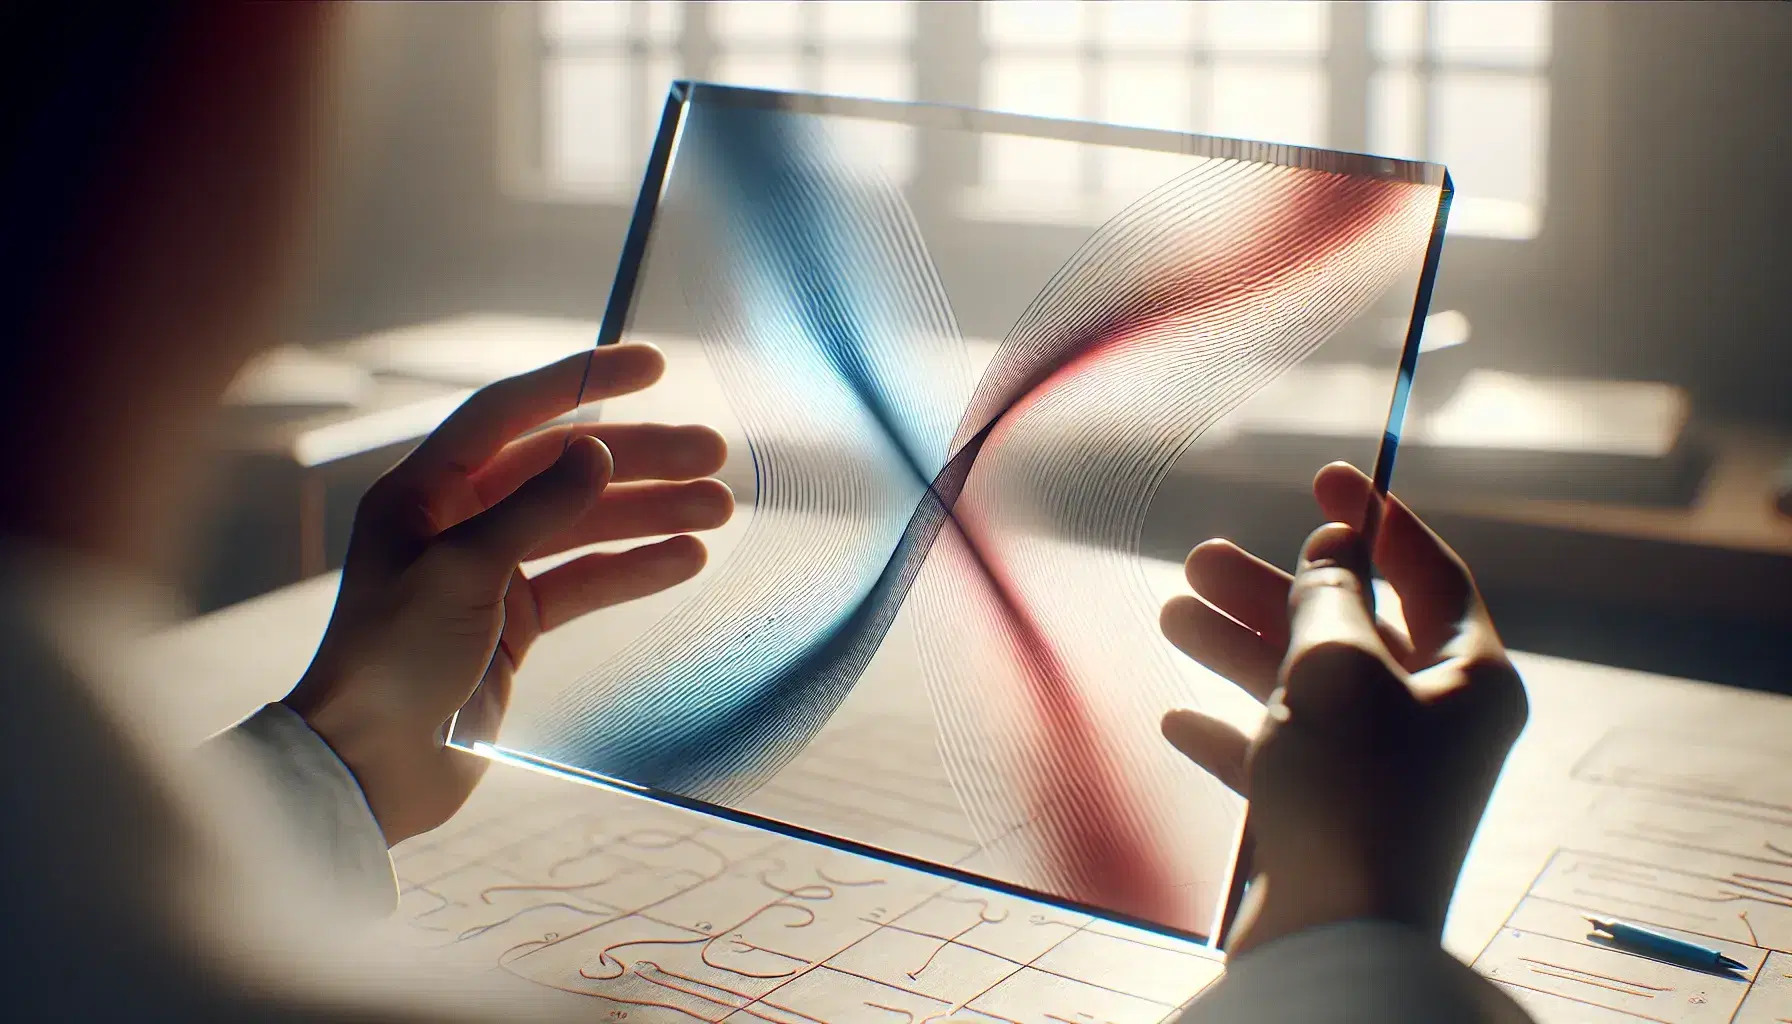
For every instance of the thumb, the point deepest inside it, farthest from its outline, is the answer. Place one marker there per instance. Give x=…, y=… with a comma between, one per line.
x=1337, y=666
x=478, y=555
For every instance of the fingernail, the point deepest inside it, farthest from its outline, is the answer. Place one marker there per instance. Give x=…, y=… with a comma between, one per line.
x=1336, y=546
x=584, y=459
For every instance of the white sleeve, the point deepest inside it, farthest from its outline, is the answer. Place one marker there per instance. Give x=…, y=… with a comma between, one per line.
x=317, y=794
x=1349, y=972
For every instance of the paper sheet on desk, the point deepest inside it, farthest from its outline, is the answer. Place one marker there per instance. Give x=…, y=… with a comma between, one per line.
x=1677, y=786
x=653, y=912
x=1678, y=819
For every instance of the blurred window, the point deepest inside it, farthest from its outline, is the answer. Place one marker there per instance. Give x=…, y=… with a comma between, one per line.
x=1465, y=82
x=1254, y=69
x=605, y=66
x=1461, y=82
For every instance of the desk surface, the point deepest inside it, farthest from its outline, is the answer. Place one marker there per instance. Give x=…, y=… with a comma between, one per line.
x=1629, y=795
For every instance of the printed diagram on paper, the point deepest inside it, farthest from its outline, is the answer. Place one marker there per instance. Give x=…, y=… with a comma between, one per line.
x=661, y=914
x=1692, y=838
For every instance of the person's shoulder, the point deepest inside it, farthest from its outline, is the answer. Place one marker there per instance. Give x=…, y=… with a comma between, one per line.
x=97, y=850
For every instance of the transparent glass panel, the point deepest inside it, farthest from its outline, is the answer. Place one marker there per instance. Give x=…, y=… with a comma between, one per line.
x=967, y=458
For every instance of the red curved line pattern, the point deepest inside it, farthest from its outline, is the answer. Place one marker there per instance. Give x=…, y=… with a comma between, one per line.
x=1095, y=827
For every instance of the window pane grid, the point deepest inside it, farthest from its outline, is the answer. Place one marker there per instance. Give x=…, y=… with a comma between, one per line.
x=1427, y=71
x=1465, y=83
x=1247, y=69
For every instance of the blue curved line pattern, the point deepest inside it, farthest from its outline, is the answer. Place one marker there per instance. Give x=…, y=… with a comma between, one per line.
x=794, y=263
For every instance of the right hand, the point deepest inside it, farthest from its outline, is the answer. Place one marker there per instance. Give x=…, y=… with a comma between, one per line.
x=1380, y=745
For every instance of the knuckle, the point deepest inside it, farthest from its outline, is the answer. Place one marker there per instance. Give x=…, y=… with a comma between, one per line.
x=454, y=564
x=1323, y=578
x=1335, y=659
x=1497, y=692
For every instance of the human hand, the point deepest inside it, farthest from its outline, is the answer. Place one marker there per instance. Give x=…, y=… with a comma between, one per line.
x=1380, y=744
x=434, y=614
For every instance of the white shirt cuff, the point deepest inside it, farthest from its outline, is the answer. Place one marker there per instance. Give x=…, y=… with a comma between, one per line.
x=323, y=802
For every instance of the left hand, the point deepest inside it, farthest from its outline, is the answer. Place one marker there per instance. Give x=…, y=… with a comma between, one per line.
x=435, y=614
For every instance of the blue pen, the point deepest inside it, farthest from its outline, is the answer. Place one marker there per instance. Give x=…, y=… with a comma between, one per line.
x=1663, y=947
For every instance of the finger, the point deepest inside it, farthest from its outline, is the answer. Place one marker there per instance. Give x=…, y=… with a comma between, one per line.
x=641, y=451
x=475, y=560
x=1218, y=748
x=500, y=412
x=1256, y=593
x=1223, y=645
x=586, y=584
x=630, y=511
x=1437, y=592
x=1337, y=671
x=1243, y=586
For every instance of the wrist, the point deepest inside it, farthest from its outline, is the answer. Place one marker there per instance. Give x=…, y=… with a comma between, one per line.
x=1286, y=902
x=1282, y=904
x=357, y=742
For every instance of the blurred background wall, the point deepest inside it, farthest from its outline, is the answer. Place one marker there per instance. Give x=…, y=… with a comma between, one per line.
x=1622, y=215
x=1621, y=167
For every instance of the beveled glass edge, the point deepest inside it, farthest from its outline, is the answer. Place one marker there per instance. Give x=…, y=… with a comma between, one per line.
x=970, y=119
x=881, y=854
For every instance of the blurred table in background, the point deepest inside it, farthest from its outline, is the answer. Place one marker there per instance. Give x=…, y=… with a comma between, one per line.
x=1680, y=547
x=305, y=431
